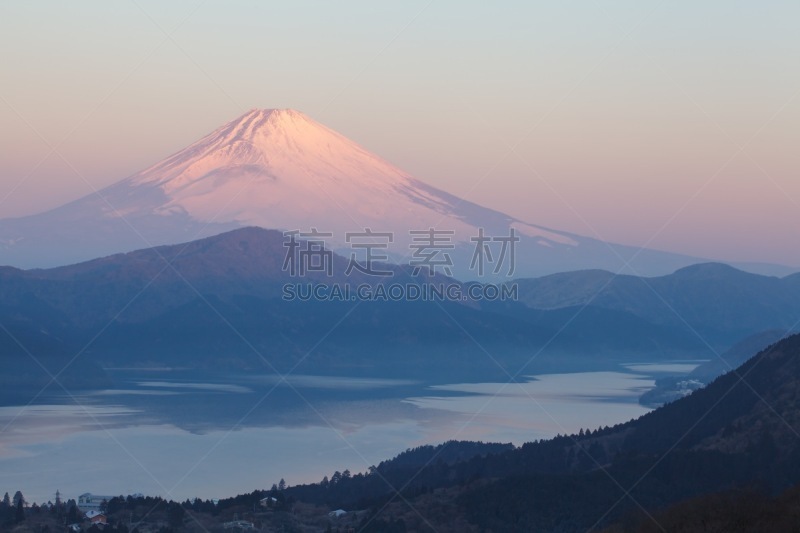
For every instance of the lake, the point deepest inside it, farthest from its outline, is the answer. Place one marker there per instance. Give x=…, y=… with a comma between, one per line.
x=181, y=435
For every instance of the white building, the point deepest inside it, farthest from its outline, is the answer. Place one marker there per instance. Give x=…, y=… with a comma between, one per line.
x=91, y=502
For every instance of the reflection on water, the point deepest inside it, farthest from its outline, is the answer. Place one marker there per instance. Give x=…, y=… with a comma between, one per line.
x=25, y=428
x=131, y=392
x=330, y=382
x=672, y=368
x=542, y=407
x=209, y=387
x=183, y=435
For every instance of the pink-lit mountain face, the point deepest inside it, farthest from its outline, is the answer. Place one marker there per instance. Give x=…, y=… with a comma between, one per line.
x=279, y=169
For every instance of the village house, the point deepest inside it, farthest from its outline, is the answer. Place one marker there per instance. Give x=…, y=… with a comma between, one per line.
x=96, y=517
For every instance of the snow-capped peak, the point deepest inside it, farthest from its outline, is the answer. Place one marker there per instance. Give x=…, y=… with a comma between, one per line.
x=280, y=169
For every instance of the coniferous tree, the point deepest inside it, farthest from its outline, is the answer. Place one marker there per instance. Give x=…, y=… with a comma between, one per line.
x=19, y=515
x=72, y=513
x=18, y=497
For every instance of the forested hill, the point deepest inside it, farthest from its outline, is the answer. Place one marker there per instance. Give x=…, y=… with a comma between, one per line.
x=743, y=430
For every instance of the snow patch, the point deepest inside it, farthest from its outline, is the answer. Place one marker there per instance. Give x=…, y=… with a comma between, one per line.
x=535, y=231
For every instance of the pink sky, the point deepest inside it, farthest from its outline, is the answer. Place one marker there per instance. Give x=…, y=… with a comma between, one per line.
x=655, y=124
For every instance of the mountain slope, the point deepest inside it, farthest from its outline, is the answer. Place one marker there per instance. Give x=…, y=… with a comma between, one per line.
x=742, y=431
x=279, y=169
x=672, y=387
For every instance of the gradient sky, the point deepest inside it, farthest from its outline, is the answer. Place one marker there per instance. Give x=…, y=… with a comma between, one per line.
x=674, y=125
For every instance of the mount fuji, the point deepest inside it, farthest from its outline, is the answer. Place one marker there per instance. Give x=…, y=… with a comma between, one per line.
x=279, y=169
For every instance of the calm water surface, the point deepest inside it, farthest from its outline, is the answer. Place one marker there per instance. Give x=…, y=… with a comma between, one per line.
x=180, y=436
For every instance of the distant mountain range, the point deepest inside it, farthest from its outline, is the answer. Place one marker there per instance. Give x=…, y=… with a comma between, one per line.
x=718, y=302
x=217, y=303
x=279, y=169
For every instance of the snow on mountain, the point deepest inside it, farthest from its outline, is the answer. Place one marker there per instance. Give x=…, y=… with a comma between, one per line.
x=280, y=169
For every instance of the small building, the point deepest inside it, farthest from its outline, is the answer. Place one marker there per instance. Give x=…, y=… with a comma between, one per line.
x=91, y=502
x=241, y=525
x=337, y=513
x=269, y=501
x=96, y=517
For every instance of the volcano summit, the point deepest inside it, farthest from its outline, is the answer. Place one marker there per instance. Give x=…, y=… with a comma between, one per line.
x=279, y=169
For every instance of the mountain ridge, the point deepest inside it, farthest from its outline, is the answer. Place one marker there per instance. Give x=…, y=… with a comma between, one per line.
x=721, y=306
x=719, y=302
x=182, y=313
